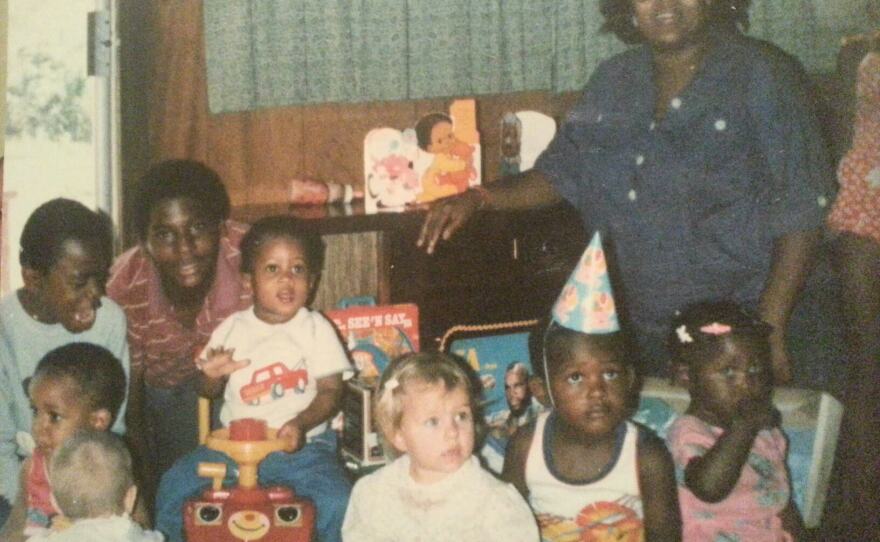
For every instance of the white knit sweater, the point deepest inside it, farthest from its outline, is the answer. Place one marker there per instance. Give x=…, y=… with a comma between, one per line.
x=469, y=505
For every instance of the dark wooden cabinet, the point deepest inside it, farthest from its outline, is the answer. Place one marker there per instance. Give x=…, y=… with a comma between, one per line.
x=502, y=266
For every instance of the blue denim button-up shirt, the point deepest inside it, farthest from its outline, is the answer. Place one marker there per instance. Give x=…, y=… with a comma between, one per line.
x=693, y=202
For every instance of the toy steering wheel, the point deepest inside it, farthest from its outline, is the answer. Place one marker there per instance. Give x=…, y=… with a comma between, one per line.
x=247, y=442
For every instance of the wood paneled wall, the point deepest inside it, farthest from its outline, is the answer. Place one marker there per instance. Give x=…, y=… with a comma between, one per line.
x=165, y=115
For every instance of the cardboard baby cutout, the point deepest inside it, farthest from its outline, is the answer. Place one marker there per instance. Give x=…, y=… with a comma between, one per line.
x=438, y=157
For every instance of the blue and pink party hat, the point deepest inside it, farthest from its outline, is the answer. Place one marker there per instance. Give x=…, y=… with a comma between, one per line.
x=586, y=303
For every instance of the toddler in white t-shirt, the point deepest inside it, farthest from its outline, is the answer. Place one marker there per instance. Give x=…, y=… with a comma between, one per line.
x=280, y=362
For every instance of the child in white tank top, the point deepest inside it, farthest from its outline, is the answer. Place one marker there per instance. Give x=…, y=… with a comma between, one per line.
x=614, y=495
x=588, y=473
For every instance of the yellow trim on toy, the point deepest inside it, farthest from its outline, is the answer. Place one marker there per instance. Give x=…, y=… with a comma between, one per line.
x=215, y=471
x=247, y=453
x=204, y=419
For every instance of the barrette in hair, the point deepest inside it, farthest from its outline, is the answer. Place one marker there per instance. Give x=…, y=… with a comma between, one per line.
x=387, y=397
x=715, y=329
x=683, y=336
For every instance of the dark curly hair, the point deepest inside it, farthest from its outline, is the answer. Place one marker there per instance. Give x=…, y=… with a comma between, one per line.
x=559, y=340
x=426, y=124
x=691, y=340
x=287, y=227
x=174, y=179
x=97, y=374
x=722, y=14
x=60, y=220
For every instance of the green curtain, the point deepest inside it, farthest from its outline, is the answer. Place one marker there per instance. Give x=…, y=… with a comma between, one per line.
x=267, y=53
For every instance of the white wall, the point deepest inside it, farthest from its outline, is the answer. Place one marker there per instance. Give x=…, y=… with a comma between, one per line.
x=3, y=34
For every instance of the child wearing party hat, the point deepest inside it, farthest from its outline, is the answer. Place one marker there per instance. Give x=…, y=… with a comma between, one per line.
x=588, y=472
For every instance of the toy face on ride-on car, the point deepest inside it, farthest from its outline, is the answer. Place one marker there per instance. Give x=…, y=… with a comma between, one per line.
x=247, y=511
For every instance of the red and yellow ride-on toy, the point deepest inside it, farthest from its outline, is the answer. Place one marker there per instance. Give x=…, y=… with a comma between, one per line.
x=247, y=511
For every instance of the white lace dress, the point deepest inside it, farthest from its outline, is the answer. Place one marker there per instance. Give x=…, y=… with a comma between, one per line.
x=468, y=506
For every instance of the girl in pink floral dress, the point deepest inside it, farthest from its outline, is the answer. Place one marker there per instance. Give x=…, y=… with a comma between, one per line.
x=728, y=449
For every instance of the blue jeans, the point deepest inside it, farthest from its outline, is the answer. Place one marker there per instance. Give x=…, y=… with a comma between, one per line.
x=172, y=423
x=314, y=472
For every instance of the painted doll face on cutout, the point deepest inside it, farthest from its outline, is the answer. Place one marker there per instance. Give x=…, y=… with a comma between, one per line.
x=443, y=138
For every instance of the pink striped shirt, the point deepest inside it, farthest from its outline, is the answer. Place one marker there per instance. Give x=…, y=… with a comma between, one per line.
x=160, y=346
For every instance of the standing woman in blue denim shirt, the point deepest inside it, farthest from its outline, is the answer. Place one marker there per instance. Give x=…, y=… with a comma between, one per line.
x=697, y=154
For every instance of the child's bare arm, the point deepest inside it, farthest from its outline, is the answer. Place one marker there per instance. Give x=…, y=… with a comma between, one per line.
x=659, y=491
x=13, y=531
x=211, y=388
x=712, y=477
x=322, y=408
x=216, y=368
x=514, y=471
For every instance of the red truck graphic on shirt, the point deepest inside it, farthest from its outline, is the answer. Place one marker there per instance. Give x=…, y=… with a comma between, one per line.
x=274, y=380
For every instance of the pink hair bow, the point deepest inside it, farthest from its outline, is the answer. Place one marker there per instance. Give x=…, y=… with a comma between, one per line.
x=716, y=329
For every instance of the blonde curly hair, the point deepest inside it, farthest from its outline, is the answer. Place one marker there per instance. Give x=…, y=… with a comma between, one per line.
x=425, y=368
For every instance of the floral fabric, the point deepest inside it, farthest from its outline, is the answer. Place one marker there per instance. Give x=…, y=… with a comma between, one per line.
x=857, y=209
x=750, y=513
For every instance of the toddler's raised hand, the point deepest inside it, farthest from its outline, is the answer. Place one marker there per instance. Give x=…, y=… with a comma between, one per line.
x=758, y=414
x=293, y=434
x=220, y=363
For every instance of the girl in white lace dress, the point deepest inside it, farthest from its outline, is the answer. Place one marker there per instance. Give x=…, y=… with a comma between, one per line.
x=436, y=489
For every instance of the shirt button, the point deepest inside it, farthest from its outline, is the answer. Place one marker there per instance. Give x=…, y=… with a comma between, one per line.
x=652, y=126
x=640, y=160
x=631, y=195
x=720, y=125
x=599, y=118
x=675, y=103
x=822, y=201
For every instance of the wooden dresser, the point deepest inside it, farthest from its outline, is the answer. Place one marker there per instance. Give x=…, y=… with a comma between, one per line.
x=501, y=266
